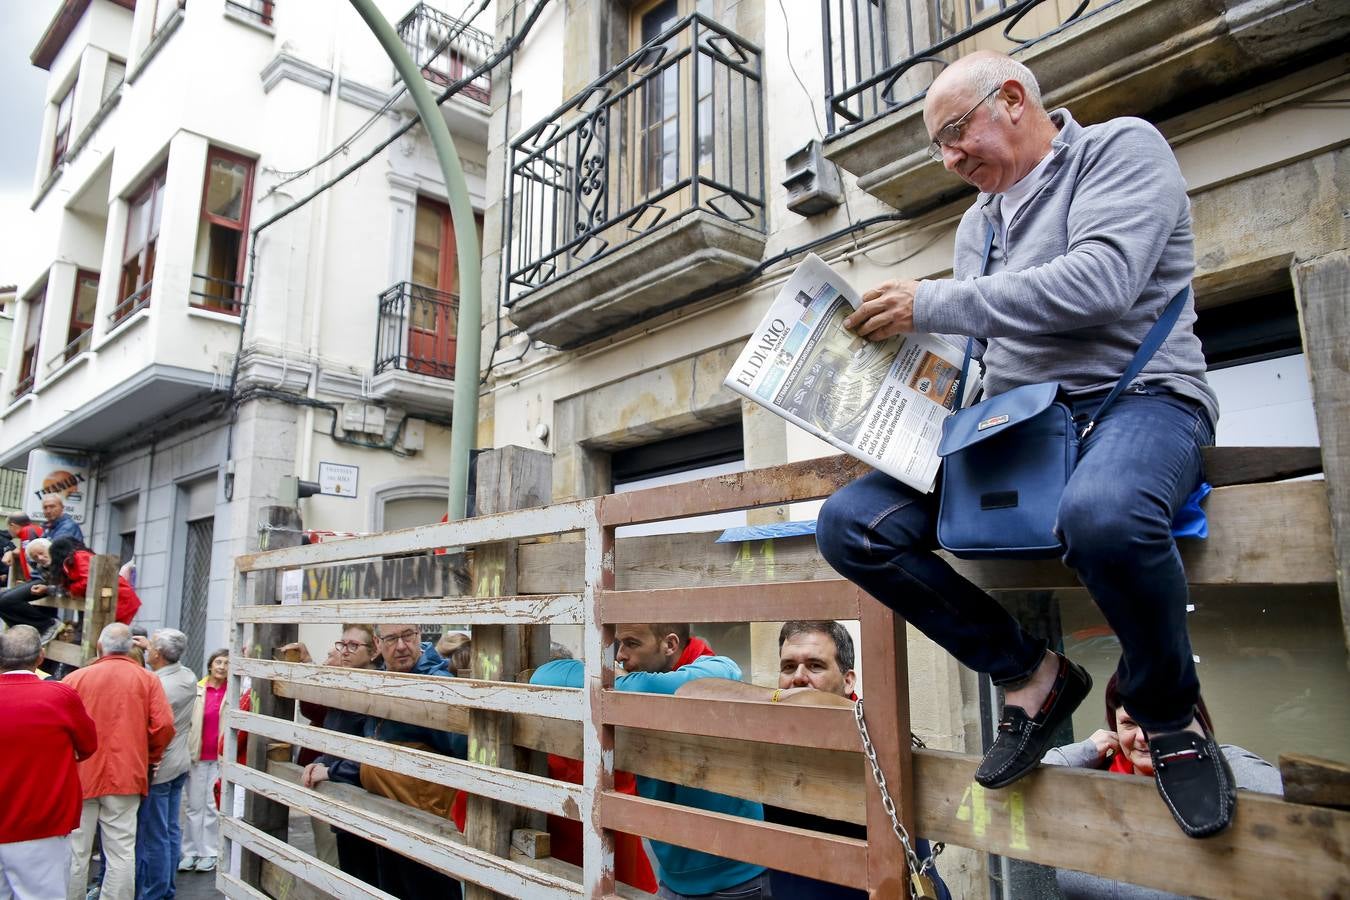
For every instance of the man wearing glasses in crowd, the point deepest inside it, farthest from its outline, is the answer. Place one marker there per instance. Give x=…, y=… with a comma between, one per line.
x=402, y=651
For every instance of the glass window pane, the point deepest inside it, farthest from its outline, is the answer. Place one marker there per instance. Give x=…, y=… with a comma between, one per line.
x=226, y=181
x=86, y=295
x=34, y=326
x=426, y=262
x=113, y=77
x=136, y=219
x=156, y=207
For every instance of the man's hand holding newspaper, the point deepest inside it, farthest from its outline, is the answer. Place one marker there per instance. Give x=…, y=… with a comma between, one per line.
x=843, y=368
x=886, y=310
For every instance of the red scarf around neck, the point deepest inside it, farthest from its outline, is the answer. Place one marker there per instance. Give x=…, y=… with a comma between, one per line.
x=696, y=647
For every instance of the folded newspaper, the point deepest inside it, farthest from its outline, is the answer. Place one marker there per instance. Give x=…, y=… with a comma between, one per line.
x=881, y=401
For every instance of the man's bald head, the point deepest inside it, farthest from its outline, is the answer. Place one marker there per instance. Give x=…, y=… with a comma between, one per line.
x=983, y=71
x=984, y=111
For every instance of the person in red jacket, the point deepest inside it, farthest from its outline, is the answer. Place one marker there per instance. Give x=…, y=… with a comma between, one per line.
x=44, y=730
x=70, y=572
x=135, y=725
x=22, y=529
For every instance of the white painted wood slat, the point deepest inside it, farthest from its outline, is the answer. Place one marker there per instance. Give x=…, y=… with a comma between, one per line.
x=498, y=696
x=455, y=860
x=523, y=789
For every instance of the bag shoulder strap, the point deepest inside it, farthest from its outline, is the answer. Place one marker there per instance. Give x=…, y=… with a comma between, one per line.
x=970, y=341
x=1152, y=341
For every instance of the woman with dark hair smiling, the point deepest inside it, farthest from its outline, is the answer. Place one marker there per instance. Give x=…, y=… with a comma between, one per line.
x=1123, y=747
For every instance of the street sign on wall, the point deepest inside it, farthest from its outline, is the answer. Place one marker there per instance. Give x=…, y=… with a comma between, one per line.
x=337, y=480
x=68, y=475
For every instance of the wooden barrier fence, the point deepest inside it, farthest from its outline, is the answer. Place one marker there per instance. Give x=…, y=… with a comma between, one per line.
x=802, y=758
x=96, y=609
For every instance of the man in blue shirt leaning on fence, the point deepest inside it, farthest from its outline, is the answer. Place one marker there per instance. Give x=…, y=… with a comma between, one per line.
x=658, y=658
x=1092, y=238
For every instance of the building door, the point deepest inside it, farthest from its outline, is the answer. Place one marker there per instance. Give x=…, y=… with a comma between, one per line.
x=663, y=120
x=196, y=589
x=434, y=299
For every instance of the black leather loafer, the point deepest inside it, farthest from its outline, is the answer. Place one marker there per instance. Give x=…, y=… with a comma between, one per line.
x=1194, y=780
x=1022, y=740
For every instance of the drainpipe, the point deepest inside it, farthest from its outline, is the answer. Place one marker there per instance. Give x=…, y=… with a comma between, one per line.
x=464, y=413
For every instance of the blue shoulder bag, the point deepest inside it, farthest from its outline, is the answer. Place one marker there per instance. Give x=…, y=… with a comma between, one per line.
x=1007, y=459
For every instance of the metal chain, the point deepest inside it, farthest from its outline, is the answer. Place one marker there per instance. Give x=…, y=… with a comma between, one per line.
x=916, y=866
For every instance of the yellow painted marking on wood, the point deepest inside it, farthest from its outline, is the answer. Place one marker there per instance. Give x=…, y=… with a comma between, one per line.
x=974, y=809
x=1017, y=820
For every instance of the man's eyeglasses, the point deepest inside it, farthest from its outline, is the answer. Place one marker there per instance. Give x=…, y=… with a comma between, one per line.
x=411, y=638
x=950, y=133
x=349, y=646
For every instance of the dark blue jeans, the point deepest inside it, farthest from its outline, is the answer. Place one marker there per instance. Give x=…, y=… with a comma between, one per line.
x=1135, y=469
x=159, y=840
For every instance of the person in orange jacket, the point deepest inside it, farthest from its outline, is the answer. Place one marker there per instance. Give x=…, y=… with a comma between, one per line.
x=135, y=724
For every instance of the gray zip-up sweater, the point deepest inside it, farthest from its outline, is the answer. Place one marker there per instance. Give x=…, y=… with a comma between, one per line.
x=1092, y=258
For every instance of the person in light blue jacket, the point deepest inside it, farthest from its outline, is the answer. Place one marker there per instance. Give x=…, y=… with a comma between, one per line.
x=658, y=658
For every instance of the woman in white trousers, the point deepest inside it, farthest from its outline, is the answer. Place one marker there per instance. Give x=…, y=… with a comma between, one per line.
x=201, y=840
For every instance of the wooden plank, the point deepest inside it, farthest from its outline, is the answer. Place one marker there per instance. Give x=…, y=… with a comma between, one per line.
x=1321, y=287
x=69, y=654
x=1260, y=534
x=1315, y=781
x=548, y=609
x=597, y=736
x=548, y=520
x=885, y=645
x=400, y=709
x=301, y=865
x=434, y=825
x=533, y=843
x=809, y=479
x=1255, y=465
x=1071, y=818
x=508, y=478
x=822, y=727
x=839, y=860
x=553, y=797
x=232, y=887
x=822, y=782
x=282, y=530
x=64, y=601
x=781, y=602
x=502, y=696
x=403, y=837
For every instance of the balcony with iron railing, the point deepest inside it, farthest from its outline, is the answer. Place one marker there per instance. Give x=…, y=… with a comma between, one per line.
x=644, y=189
x=1102, y=58
x=446, y=49
x=216, y=294
x=415, y=347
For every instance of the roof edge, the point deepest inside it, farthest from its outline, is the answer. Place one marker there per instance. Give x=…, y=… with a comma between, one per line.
x=59, y=29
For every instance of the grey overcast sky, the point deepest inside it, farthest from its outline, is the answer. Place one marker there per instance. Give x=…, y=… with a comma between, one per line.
x=21, y=93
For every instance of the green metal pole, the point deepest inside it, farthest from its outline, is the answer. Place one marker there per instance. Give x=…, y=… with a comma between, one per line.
x=464, y=414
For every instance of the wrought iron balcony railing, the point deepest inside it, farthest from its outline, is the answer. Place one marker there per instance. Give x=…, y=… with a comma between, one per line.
x=216, y=294
x=132, y=303
x=676, y=127
x=416, y=330
x=446, y=49
x=881, y=55
x=77, y=345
